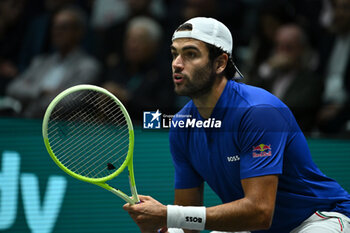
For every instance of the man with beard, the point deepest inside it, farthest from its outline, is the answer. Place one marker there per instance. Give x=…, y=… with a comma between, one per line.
x=256, y=160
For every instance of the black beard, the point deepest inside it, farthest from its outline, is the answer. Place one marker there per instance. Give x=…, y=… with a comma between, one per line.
x=201, y=84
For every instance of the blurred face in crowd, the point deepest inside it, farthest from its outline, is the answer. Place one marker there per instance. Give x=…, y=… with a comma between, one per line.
x=139, y=46
x=289, y=44
x=341, y=20
x=53, y=5
x=66, y=31
x=193, y=73
x=194, y=8
x=137, y=6
x=10, y=11
x=269, y=26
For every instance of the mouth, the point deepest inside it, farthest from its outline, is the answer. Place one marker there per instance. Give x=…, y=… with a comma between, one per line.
x=178, y=78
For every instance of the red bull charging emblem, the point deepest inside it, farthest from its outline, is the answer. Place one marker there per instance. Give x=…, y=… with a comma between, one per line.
x=261, y=150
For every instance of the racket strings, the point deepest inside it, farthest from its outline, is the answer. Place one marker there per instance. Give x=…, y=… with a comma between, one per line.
x=98, y=173
x=81, y=160
x=70, y=119
x=88, y=131
x=85, y=147
x=104, y=151
x=83, y=133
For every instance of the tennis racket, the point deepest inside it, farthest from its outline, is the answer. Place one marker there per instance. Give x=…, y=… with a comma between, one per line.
x=89, y=135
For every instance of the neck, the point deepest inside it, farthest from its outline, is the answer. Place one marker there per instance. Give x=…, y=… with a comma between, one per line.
x=206, y=103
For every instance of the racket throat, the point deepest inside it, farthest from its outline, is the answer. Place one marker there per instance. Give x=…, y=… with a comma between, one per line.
x=133, y=190
x=122, y=196
x=117, y=192
x=132, y=183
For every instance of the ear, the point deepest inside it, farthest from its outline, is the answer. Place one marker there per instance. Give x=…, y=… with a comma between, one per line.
x=220, y=63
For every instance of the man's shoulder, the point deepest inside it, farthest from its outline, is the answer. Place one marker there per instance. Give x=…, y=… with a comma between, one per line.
x=254, y=104
x=250, y=96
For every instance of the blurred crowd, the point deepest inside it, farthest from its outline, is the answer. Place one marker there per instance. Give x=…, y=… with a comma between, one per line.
x=297, y=49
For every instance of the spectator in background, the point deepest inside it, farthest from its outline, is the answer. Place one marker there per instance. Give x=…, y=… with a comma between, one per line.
x=272, y=14
x=37, y=36
x=335, y=68
x=289, y=74
x=106, y=12
x=12, y=25
x=49, y=74
x=109, y=40
x=141, y=80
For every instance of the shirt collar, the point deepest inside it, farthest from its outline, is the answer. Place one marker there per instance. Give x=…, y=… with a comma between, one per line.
x=221, y=105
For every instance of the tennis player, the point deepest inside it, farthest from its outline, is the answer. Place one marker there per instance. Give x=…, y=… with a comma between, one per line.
x=253, y=156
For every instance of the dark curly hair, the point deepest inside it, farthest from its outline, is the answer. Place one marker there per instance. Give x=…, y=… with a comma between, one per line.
x=215, y=52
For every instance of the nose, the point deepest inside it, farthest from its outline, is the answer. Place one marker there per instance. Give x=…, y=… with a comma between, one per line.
x=177, y=63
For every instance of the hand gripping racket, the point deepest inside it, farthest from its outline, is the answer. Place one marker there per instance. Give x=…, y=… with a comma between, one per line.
x=88, y=133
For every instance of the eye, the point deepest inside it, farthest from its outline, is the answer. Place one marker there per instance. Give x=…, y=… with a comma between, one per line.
x=174, y=55
x=190, y=55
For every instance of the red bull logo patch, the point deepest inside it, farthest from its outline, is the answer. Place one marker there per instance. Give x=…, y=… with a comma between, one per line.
x=262, y=150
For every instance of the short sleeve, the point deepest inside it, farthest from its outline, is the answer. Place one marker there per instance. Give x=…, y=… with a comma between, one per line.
x=263, y=135
x=185, y=175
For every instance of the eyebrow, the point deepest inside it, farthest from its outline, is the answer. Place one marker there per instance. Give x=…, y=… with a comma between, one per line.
x=188, y=47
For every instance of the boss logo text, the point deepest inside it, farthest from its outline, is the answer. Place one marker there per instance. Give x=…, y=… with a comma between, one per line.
x=193, y=219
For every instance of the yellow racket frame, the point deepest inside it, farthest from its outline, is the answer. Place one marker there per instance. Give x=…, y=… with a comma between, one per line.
x=127, y=162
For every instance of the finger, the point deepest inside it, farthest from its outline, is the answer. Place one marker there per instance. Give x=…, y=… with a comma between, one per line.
x=144, y=198
x=133, y=208
x=127, y=207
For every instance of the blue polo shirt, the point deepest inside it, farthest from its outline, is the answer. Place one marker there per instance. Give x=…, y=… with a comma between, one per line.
x=252, y=133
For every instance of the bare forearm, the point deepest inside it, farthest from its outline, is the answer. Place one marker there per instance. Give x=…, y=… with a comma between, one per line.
x=253, y=212
x=189, y=197
x=240, y=215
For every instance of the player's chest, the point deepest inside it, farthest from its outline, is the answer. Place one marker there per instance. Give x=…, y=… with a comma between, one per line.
x=214, y=153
